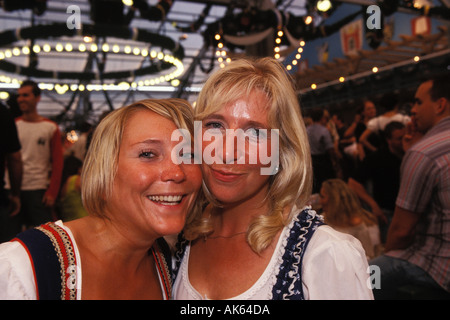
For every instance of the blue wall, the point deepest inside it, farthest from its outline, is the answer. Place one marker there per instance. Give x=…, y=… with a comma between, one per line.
x=402, y=26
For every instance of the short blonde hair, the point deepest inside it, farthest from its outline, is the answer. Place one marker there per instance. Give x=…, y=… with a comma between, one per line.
x=293, y=182
x=100, y=165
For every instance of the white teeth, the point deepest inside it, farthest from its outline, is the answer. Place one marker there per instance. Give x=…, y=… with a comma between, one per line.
x=166, y=198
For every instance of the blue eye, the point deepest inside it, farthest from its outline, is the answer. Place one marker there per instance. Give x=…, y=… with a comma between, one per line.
x=146, y=154
x=213, y=125
x=187, y=155
x=257, y=133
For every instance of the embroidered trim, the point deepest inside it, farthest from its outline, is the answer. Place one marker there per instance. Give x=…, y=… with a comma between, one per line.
x=163, y=270
x=66, y=256
x=289, y=278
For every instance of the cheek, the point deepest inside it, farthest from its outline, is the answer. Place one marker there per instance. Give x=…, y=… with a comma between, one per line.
x=194, y=175
x=135, y=177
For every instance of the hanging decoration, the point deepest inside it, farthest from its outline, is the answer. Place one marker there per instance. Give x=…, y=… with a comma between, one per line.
x=59, y=30
x=171, y=53
x=252, y=26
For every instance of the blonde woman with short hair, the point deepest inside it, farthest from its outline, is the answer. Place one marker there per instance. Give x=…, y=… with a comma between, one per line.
x=135, y=195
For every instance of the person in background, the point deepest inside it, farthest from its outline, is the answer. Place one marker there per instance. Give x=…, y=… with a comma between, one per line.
x=375, y=126
x=323, y=152
x=42, y=157
x=418, y=241
x=11, y=159
x=256, y=238
x=135, y=195
x=382, y=169
x=69, y=205
x=359, y=125
x=342, y=210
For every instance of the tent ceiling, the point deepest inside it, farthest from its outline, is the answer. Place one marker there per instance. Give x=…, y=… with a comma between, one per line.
x=199, y=60
x=409, y=50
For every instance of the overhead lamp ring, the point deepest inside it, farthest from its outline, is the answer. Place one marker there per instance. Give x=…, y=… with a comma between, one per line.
x=60, y=29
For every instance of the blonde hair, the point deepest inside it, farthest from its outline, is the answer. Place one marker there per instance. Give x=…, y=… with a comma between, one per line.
x=100, y=165
x=292, y=183
x=343, y=204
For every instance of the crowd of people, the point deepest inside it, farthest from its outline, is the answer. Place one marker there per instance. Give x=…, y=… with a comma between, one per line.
x=371, y=192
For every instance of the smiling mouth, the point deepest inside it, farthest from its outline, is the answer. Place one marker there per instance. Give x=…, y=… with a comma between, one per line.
x=167, y=200
x=225, y=176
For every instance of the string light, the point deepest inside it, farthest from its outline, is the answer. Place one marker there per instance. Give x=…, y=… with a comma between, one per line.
x=276, y=49
x=298, y=56
x=221, y=53
x=61, y=88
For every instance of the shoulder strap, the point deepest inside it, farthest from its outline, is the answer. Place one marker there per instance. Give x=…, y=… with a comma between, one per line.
x=163, y=258
x=180, y=249
x=289, y=280
x=53, y=260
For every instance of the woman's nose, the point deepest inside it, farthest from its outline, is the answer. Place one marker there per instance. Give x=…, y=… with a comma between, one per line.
x=234, y=147
x=173, y=172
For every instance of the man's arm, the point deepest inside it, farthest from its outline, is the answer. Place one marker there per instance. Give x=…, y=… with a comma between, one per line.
x=362, y=194
x=402, y=229
x=57, y=166
x=364, y=140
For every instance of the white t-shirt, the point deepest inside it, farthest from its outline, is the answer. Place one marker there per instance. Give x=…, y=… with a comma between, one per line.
x=379, y=123
x=36, y=140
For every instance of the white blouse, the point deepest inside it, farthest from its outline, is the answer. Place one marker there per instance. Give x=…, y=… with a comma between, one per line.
x=334, y=268
x=16, y=273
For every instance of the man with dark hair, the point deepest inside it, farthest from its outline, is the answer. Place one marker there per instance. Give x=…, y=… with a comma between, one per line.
x=42, y=157
x=418, y=241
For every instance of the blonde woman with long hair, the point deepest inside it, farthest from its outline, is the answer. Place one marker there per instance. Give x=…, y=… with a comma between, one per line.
x=256, y=239
x=343, y=211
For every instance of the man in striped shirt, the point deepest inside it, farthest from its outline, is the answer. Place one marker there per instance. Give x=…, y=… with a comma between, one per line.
x=418, y=242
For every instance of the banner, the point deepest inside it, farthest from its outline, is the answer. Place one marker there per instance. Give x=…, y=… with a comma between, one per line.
x=352, y=37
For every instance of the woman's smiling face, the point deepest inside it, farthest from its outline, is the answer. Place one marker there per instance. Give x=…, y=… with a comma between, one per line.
x=235, y=178
x=151, y=193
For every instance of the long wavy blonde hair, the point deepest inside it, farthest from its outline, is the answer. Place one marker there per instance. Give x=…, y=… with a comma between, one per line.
x=344, y=205
x=292, y=184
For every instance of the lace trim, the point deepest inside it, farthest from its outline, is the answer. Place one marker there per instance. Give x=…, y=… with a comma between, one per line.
x=288, y=283
x=66, y=256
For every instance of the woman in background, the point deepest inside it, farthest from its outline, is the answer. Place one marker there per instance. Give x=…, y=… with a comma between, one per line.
x=342, y=210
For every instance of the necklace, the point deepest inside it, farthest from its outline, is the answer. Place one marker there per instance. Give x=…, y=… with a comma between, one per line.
x=206, y=237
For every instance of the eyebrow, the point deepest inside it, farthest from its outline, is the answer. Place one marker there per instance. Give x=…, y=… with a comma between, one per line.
x=252, y=123
x=148, y=141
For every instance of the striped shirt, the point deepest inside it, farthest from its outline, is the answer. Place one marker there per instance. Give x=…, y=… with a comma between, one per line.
x=425, y=189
